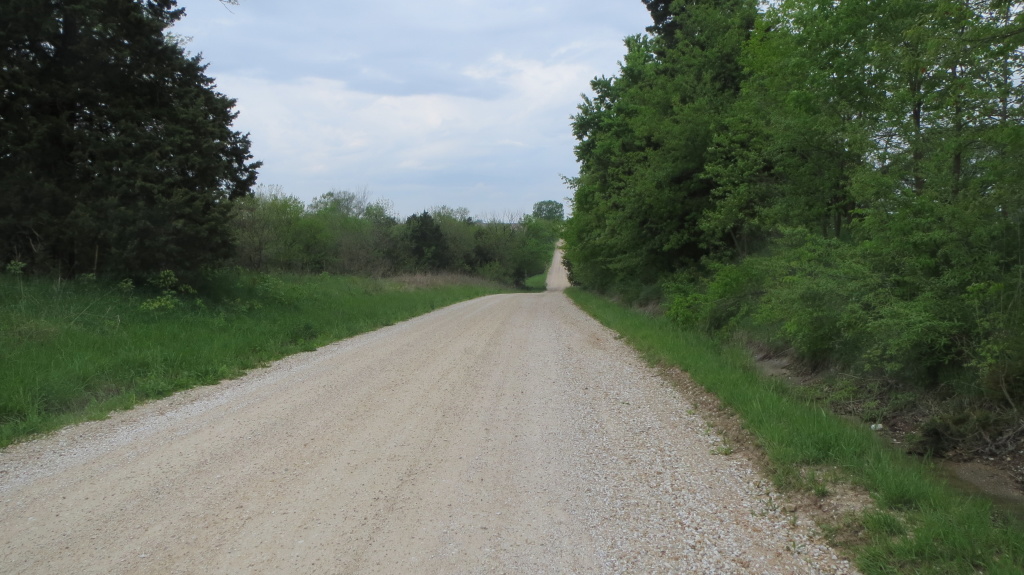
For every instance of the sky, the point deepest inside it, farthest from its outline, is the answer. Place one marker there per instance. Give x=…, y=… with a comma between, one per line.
x=464, y=103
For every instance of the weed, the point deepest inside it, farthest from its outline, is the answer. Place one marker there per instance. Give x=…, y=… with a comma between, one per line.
x=795, y=547
x=14, y=267
x=768, y=506
x=820, y=489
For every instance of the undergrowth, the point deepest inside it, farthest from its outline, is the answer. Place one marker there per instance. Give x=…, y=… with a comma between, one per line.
x=919, y=525
x=73, y=351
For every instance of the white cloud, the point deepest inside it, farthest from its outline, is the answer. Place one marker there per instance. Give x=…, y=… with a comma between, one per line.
x=458, y=102
x=535, y=85
x=320, y=124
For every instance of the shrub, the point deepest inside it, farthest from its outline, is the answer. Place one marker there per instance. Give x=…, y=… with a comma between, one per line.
x=721, y=300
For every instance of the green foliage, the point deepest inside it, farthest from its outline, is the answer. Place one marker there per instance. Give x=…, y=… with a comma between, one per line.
x=791, y=140
x=427, y=244
x=117, y=155
x=997, y=349
x=15, y=267
x=828, y=302
x=536, y=283
x=716, y=302
x=549, y=210
x=842, y=180
x=643, y=140
x=459, y=231
x=345, y=233
x=810, y=302
x=171, y=290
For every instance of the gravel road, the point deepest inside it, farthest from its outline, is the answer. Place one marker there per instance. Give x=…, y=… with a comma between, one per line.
x=508, y=434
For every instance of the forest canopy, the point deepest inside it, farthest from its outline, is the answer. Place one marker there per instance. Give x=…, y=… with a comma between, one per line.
x=842, y=179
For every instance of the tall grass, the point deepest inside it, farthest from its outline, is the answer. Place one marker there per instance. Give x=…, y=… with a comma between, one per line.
x=71, y=351
x=921, y=524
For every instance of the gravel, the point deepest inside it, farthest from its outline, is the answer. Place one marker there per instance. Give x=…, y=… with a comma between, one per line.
x=510, y=434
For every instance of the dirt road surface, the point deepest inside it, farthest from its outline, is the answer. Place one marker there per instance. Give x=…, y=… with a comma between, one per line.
x=509, y=434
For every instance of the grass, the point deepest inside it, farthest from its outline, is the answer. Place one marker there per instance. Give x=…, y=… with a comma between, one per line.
x=74, y=351
x=920, y=524
x=538, y=282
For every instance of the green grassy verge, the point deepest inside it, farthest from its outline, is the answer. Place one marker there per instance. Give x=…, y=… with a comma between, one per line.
x=72, y=351
x=538, y=282
x=921, y=525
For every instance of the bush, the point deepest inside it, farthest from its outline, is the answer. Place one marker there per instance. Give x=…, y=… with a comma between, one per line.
x=721, y=300
x=828, y=302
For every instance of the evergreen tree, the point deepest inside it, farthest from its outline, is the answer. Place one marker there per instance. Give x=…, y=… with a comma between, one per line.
x=427, y=243
x=116, y=153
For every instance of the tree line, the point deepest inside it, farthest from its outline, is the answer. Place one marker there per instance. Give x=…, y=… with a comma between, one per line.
x=347, y=233
x=839, y=179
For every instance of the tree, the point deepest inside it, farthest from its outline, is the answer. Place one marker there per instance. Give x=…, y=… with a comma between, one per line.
x=799, y=130
x=457, y=227
x=427, y=243
x=549, y=210
x=269, y=231
x=116, y=153
x=643, y=141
